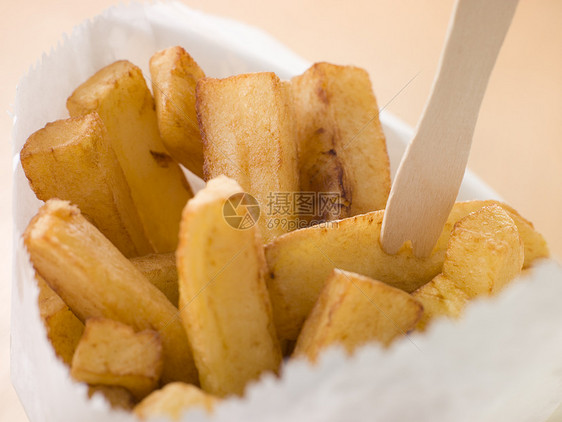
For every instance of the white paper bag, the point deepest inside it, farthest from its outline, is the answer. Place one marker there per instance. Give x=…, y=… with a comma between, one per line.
x=502, y=361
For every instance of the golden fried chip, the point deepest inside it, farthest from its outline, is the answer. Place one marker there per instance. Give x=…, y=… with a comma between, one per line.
x=95, y=280
x=73, y=160
x=224, y=302
x=174, y=78
x=118, y=93
x=173, y=400
x=342, y=148
x=160, y=270
x=63, y=328
x=117, y=397
x=484, y=253
x=353, y=310
x=248, y=135
x=111, y=353
x=299, y=262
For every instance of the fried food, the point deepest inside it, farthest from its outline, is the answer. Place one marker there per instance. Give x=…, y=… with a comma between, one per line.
x=160, y=270
x=118, y=93
x=300, y=261
x=533, y=242
x=117, y=397
x=95, y=280
x=73, y=160
x=224, y=302
x=221, y=304
x=174, y=78
x=63, y=328
x=111, y=353
x=353, y=310
x=342, y=148
x=484, y=253
x=248, y=135
x=173, y=400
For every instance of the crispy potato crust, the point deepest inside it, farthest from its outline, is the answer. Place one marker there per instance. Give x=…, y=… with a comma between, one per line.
x=96, y=280
x=64, y=329
x=160, y=270
x=73, y=160
x=111, y=353
x=173, y=400
x=118, y=93
x=485, y=252
x=342, y=148
x=224, y=302
x=353, y=310
x=174, y=78
x=300, y=261
x=248, y=135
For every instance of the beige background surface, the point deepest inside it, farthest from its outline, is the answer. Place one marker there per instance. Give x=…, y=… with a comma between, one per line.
x=518, y=142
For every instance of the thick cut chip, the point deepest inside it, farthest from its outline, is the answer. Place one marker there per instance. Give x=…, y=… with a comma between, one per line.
x=248, y=135
x=224, y=302
x=73, y=160
x=300, y=262
x=353, y=310
x=441, y=296
x=173, y=400
x=484, y=253
x=118, y=397
x=111, y=353
x=95, y=280
x=174, y=78
x=533, y=242
x=160, y=270
x=64, y=329
x=118, y=93
x=341, y=145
